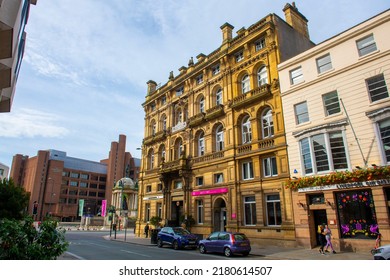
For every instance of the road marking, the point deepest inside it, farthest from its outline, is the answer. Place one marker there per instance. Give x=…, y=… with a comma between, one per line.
x=130, y=252
x=74, y=255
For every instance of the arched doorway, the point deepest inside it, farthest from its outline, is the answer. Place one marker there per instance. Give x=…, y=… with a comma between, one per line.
x=220, y=215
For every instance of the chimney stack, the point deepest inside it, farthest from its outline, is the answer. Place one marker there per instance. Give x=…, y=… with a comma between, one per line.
x=296, y=19
x=227, y=33
x=152, y=85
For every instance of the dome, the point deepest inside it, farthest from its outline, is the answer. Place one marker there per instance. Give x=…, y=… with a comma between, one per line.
x=128, y=183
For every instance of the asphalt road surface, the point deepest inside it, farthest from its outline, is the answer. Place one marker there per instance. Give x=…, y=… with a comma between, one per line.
x=89, y=245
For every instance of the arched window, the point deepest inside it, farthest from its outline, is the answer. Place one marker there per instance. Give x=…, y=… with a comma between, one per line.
x=262, y=76
x=267, y=123
x=201, y=104
x=218, y=97
x=219, y=138
x=178, y=148
x=246, y=130
x=179, y=116
x=153, y=127
x=162, y=155
x=163, y=122
x=245, y=84
x=151, y=159
x=201, y=144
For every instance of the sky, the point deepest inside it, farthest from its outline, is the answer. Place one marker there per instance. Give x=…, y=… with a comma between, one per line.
x=86, y=63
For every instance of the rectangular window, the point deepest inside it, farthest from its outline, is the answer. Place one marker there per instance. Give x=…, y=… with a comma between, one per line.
x=159, y=210
x=250, y=210
x=296, y=76
x=163, y=100
x=199, y=79
x=260, y=44
x=199, y=181
x=73, y=183
x=218, y=178
x=84, y=176
x=377, y=88
x=148, y=188
x=199, y=212
x=147, y=212
x=83, y=184
x=216, y=70
x=179, y=91
x=301, y=113
x=384, y=130
x=306, y=156
x=270, y=167
x=274, y=213
x=331, y=103
x=337, y=149
x=239, y=56
x=247, y=170
x=324, y=64
x=366, y=45
x=159, y=187
x=218, y=97
x=178, y=184
x=74, y=175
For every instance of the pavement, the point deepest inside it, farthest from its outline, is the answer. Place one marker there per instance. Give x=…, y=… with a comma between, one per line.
x=265, y=251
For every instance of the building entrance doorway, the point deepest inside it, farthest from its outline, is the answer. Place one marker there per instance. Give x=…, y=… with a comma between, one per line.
x=220, y=215
x=176, y=213
x=319, y=219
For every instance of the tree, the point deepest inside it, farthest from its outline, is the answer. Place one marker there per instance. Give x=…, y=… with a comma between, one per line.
x=13, y=200
x=20, y=240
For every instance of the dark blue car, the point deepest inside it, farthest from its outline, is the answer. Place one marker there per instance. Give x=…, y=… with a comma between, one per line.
x=177, y=237
x=227, y=243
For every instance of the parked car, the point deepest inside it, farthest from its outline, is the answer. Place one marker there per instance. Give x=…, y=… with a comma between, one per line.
x=177, y=237
x=381, y=253
x=228, y=243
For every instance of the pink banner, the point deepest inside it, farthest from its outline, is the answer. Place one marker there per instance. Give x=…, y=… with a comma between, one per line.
x=208, y=192
x=104, y=208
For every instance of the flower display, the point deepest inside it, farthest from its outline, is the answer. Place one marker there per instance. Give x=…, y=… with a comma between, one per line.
x=340, y=177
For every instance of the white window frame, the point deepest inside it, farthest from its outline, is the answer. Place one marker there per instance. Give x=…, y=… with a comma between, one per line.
x=219, y=139
x=384, y=140
x=218, y=178
x=267, y=124
x=331, y=104
x=374, y=85
x=296, y=76
x=301, y=117
x=366, y=45
x=324, y=63
x=218, y=97
x=260, y=44
x=202, y=105
x=262, y=76
x=239, y=56
x=245, y=84
x=199, y=79
x=276, y=208
x=199, y=181
x=247, y=170
x=246, y=130
x=201, y=145
x=216, y=69
x=311, y=157
x=270, y=167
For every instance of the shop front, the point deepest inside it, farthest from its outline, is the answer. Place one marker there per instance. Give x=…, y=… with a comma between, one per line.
x=355, y=212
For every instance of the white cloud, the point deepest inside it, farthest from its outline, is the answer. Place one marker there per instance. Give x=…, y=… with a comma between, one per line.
x=30, y=123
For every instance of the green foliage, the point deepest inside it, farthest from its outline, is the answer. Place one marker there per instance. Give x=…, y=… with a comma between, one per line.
x=20, y=240
x=13, y=200
x=155, y=221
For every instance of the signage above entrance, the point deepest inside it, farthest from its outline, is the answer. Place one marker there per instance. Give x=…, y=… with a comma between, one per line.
x=346, y=186
x=209, y=192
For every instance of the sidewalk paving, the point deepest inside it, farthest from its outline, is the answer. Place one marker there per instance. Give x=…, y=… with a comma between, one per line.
x=268, y=252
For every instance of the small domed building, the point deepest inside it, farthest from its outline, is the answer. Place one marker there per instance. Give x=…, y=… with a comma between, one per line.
x=125, y=200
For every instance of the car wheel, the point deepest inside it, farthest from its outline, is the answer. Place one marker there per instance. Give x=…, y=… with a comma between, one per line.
x=227, y=252
x=159, y=243
x=175, y=245
x=202, y=249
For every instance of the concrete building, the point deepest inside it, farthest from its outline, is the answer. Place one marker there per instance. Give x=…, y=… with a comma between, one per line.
x=4, y=170
x=214, y=150
x=336, y=109
x=57, y=183
x=13, y=20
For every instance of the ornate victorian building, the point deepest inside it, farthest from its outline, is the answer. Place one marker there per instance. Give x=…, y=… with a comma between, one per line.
x=214, y=150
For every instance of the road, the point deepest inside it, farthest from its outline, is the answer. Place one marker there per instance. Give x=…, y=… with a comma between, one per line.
x=90, y=245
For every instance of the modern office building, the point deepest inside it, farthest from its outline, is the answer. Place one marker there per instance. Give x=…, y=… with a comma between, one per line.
x=4, y=170
x=58, y=182
x=336, y=109
x=13, y=19
x=214, y=150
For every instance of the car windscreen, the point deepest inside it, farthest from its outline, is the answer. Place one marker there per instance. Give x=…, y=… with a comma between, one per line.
x=181, y=231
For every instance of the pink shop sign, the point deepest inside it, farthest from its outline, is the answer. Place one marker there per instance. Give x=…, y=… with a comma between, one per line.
x=209, y=192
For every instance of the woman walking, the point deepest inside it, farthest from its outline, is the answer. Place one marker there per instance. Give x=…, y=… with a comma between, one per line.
x=328, y=237
x=321, y=238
